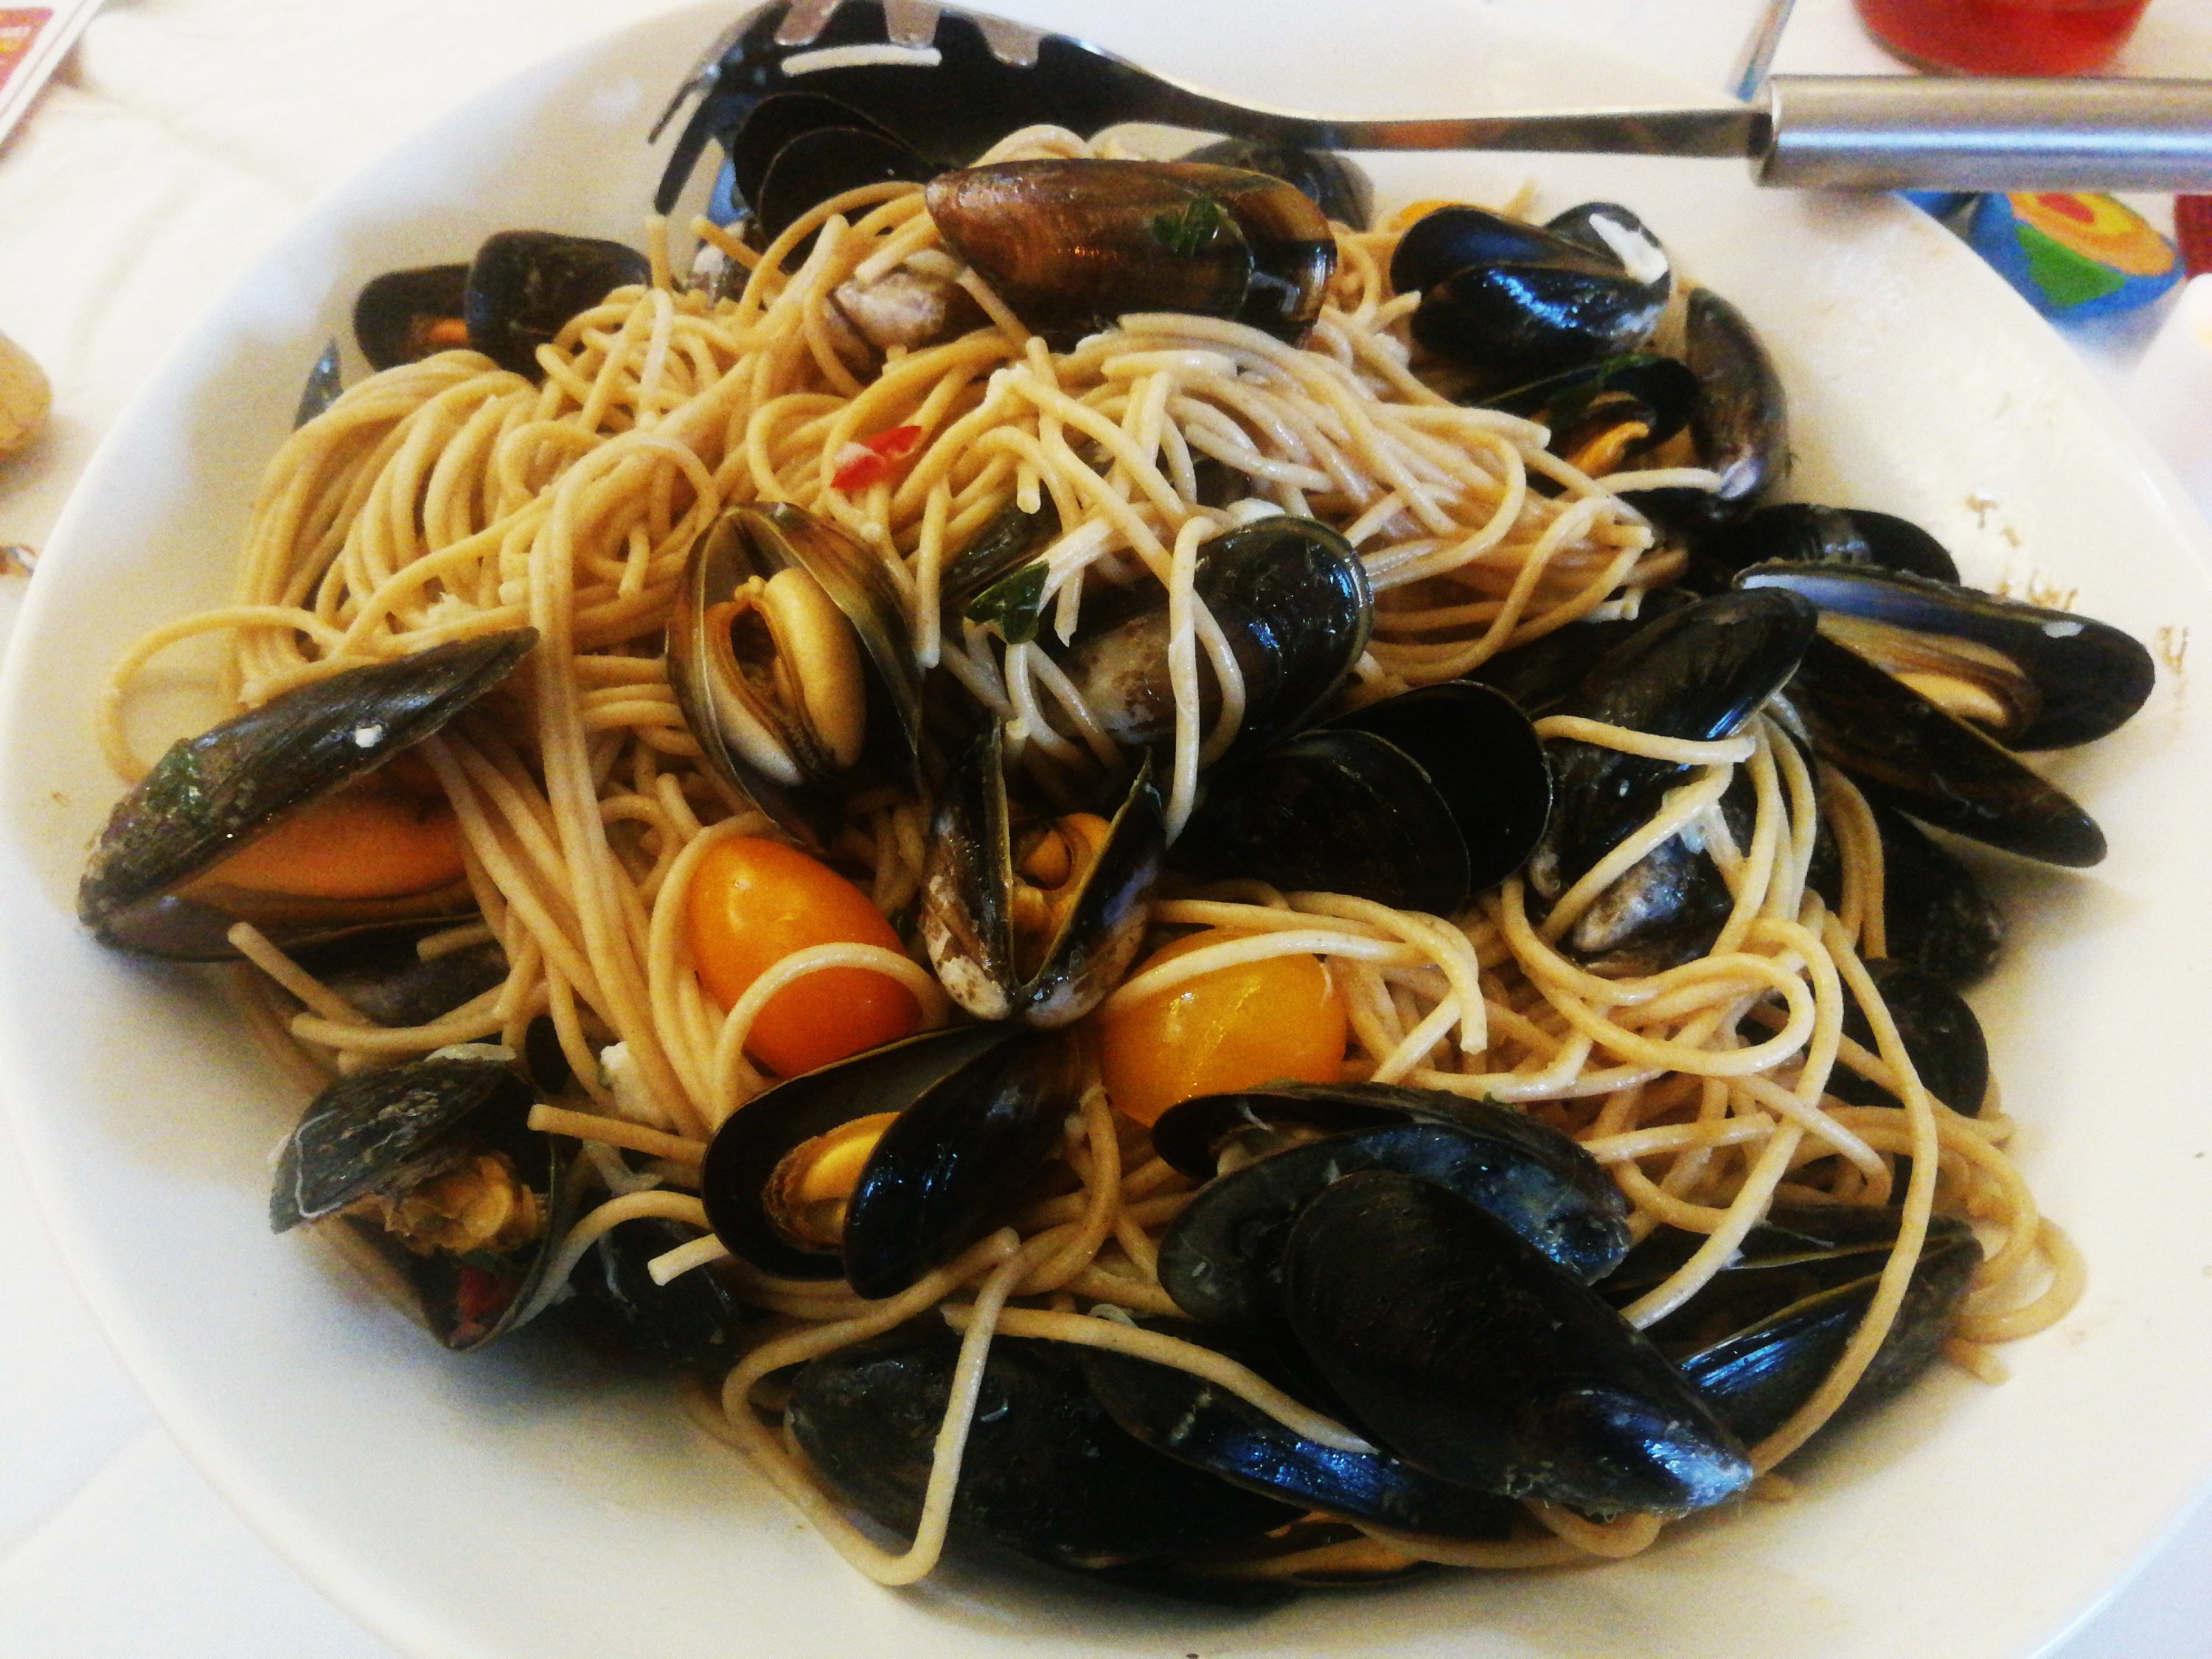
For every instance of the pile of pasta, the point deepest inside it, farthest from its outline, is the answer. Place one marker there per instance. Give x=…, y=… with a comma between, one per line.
x=448, y=498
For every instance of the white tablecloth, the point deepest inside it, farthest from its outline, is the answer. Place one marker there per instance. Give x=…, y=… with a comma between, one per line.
x=181, y=140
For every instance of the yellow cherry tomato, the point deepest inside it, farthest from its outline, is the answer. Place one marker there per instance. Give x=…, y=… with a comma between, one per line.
x=752, y=903
x=1235, y=1028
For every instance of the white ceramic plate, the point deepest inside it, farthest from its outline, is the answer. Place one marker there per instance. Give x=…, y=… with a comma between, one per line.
x=521, y=1503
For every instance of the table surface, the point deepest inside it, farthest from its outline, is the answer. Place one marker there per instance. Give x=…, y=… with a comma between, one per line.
x=183, y=138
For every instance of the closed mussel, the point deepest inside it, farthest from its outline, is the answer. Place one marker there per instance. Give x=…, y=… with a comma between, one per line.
x=1046, y=1471
x=1468, y=1353
x=1765, y=1331
x=436, y=1161
x=1071, y=245
x=884, y=1166
x=787, y=651
x=690, y=1322
x=281, y=817
x=1513, y=300
x=1276, y=1148
x=1419, y=801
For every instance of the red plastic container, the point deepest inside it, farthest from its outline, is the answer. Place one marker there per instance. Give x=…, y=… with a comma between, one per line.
x=2004, y=37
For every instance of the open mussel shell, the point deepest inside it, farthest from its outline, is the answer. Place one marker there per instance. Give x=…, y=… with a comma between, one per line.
x=1071, y=245
x=1419, y=802
x=404, y=316
x=1940, y=1033
x=482, y=1242
x=1331, y=180
x=1222, y=1258
x=979, y=1110
x=1650, y=396
x=988, y=961
x=1290, y=596
x=1046, y=1472
x=1738, y=422
x=1465, y=1351
x=787, y=652
x=1903, y=750
x=211, y=795
x=1765, y=1331
x=1514, y=300
x=2030, y=676
x=1201, y=1424
x=1805, y=533
x=1699, y=672
x=525, y=285
x=827, y=161
x=691, y=1322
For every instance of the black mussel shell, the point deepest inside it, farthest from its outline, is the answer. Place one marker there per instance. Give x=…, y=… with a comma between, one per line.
x=1935, y=913
x=1740, y=422
x=1940, y=1033
x=1902, y=748
x=396, y=320
x=752, y=542
x=780, y=122
x=1221, y=1260
x=827, y=161
x=1046, y=1472
x=1201, y=1424
x=1764, y=1333
x=212, y=794
x=2059, y=679
x=1538, y=674
x=385, y=978
x=1073, y=245
x=1517, y=301
x=1290, y=596
x=1699, y=672
x=690, y=1322
x=979, y=1109
x=1328, y=179
x=1469, y=1353
x=1002, y=547
x=384, y=1132
x=1661, y=391
x=523, y=285
x=968, y=879
x=1419, y=801
x=1802, y=533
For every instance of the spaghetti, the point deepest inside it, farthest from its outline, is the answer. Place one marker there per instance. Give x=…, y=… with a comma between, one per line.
x=448, y=499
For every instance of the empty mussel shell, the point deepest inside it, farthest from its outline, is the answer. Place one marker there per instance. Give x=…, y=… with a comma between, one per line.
x=1046, y=1472
x=2030, y=676
x=435, y=1161
x=1462, y=1349
x=1071, y=245
x=1222, y=1258
x=1331, y=180
x=886, y=1165
x=1198, y=1422
x=1419, y=801
x=787, y=652
x=1765, y=1331
x=1035, y=922
x=156, y=880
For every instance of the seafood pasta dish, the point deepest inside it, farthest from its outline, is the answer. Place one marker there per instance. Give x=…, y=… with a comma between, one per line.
x=1149, y=868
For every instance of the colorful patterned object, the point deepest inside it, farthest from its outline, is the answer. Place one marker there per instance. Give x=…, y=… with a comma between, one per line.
x=2074, y=256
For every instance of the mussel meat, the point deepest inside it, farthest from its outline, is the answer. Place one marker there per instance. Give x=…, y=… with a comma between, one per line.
x=515, y=296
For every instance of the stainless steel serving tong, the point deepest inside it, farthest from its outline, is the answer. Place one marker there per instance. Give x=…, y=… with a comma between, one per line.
x=949, y=83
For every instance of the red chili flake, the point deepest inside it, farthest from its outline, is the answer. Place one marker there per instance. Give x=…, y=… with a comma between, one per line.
x=2192, y=225
x=873, y=460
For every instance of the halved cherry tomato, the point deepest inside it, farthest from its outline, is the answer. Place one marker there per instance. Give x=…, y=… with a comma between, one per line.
x=387, y=836
x=1235, y=1028
x=753, y=903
